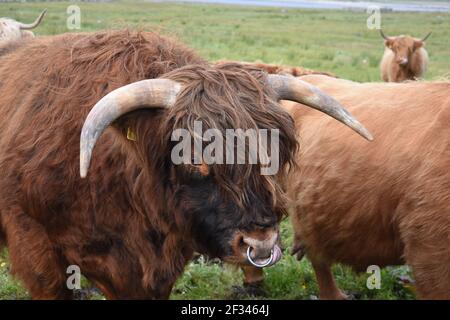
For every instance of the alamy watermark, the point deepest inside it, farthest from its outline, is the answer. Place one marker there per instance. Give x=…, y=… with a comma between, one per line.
x=73, y=281
x=374, y=20
x=374, y=280
x=236, y=146
x=73, y=21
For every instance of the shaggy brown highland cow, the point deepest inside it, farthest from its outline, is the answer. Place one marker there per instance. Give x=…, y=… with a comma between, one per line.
x=404, y=58
x=133, y=221
x=383, y=204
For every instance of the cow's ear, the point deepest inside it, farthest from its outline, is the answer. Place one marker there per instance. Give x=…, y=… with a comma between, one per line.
x=418, y=44
x=388, y=43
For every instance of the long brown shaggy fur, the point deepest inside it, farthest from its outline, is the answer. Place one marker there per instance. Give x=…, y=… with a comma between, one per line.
x=383, y=203
x=231, y=95
x=119, y=225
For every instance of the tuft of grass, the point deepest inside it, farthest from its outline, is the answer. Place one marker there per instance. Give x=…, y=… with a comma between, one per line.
x=10, y=288
x=289, y=279
x=206, y=280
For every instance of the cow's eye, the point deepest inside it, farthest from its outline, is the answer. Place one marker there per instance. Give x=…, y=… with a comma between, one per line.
x=263, y=225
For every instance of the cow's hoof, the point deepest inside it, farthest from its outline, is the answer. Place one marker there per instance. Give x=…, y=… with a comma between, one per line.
x=352, y=295
x=344, y=295
x=340, y=295
x=86, y=294
x=255, y=289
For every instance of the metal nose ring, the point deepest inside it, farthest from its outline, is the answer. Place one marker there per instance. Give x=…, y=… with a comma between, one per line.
x=262, y=265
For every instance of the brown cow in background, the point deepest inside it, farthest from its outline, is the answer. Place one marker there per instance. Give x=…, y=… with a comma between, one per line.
x=11, y=29
x=405, y=58
x=283, y=69
x=386, y=203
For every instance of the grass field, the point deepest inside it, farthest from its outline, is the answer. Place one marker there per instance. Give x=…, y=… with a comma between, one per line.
x=336, y=41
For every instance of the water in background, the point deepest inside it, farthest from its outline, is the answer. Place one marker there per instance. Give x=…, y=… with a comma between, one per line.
x=423, y=6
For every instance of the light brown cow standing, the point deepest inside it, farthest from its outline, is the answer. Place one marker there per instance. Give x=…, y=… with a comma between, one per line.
x=383, y=203
x=405, y=58
x=11, y=29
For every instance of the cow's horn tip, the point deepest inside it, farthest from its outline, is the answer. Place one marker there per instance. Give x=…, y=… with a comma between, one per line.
x=83, y=171
x=368, y=136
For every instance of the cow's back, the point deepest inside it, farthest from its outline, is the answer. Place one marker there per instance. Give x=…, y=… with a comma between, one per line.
x=353, y=196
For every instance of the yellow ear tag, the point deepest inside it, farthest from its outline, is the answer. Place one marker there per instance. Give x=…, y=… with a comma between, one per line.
x=131, y=135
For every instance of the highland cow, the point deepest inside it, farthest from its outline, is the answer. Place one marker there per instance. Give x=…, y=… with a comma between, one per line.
x=134, y=220
x=283, y=69
x=13, y=30
x=386, y=204
x=405, y=58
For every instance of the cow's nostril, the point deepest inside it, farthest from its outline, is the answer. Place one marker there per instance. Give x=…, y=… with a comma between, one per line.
x=260, y=249
x=260, y=253
x=402, y=61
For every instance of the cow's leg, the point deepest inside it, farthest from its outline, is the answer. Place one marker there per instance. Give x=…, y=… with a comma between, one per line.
x=432, y=280
x=33, y=257
x=429, y=258
x=328, y=289
x=2, y=239
x=431, y=269
x=425, y=235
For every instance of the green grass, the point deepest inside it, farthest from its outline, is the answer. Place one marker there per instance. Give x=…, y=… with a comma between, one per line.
x=336, y=41
x=288, y=279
